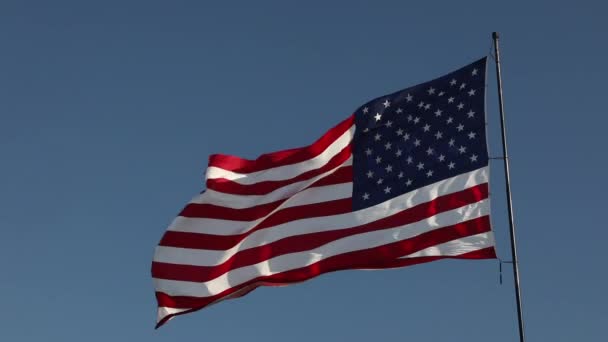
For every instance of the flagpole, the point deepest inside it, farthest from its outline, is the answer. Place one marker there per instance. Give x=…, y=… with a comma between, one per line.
x=508, y=185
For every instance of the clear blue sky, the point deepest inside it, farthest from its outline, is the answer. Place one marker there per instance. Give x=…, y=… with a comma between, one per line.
x=108, y=111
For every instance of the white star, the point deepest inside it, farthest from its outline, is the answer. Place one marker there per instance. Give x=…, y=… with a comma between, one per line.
x=399, y=110
x=378, y=116
x=474, y=158
x=438, y=112
x=378, y=160
x=472, y=92
x=470, y=113
x=449, y=120
x=420, y=166
x=365, y=196
x=387, y=189
x=410, y=117
x=440, y=94
x=429, y=151
x=389, y=168
x=365, y=110
x=431, y=91
x=377, y=136
x=426, y=127
x=408, y=98
x=409, y=160
x=472, y=135
x=451, y=165
x=366, y=130
x=399, y=132
x=463, y=85
x=388, y=145
x=462, y=149
x=416, y=120
x=441, y=157
x=438, y=135
x=430, y=173
x=417, y=142
x=406, y=136
x=453, y=81
x=398, y=153
x=386, y=103
x=474, y=72
x=460, y=106
x=421, y=104
x=409, y=182
x=460, y=127
x=389, y=123
x=450, y=99
x=400, y=175
x=451, y=142
x=368, y=151
x=370, y=174
x=380, y=180
x=427, y=106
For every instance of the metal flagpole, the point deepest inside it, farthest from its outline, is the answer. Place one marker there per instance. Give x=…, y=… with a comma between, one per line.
x=508, y=184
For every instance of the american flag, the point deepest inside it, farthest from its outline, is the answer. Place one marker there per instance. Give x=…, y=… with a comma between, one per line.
x=402, y=181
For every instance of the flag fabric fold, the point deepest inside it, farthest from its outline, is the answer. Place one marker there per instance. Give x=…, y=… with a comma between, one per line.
x=402, y=181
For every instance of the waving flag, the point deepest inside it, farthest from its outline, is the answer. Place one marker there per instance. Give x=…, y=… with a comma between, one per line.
x=404, y=180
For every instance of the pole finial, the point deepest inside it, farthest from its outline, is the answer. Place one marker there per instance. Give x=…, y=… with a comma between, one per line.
x=495, y=35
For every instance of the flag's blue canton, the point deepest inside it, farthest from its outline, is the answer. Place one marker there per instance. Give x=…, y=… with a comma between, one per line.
x=419, y=136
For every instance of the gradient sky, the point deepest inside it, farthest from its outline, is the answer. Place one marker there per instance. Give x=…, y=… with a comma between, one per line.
x=109, y=110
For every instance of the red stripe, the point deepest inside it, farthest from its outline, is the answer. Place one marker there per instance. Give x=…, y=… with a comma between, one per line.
x=261, y=188
x=341, y=175
x=218, y=212
x=221, y=242
x=309, y=241
x=281, y=158
x=486, y=253
x=379, y=257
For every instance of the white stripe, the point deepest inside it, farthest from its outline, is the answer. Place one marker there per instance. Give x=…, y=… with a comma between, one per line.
x=408, y=200
x=164, y=311
x=247, y=201
x=231, y=227
x=457, y=247
x=285, y=171
x=292, y=261
x=205, y=257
